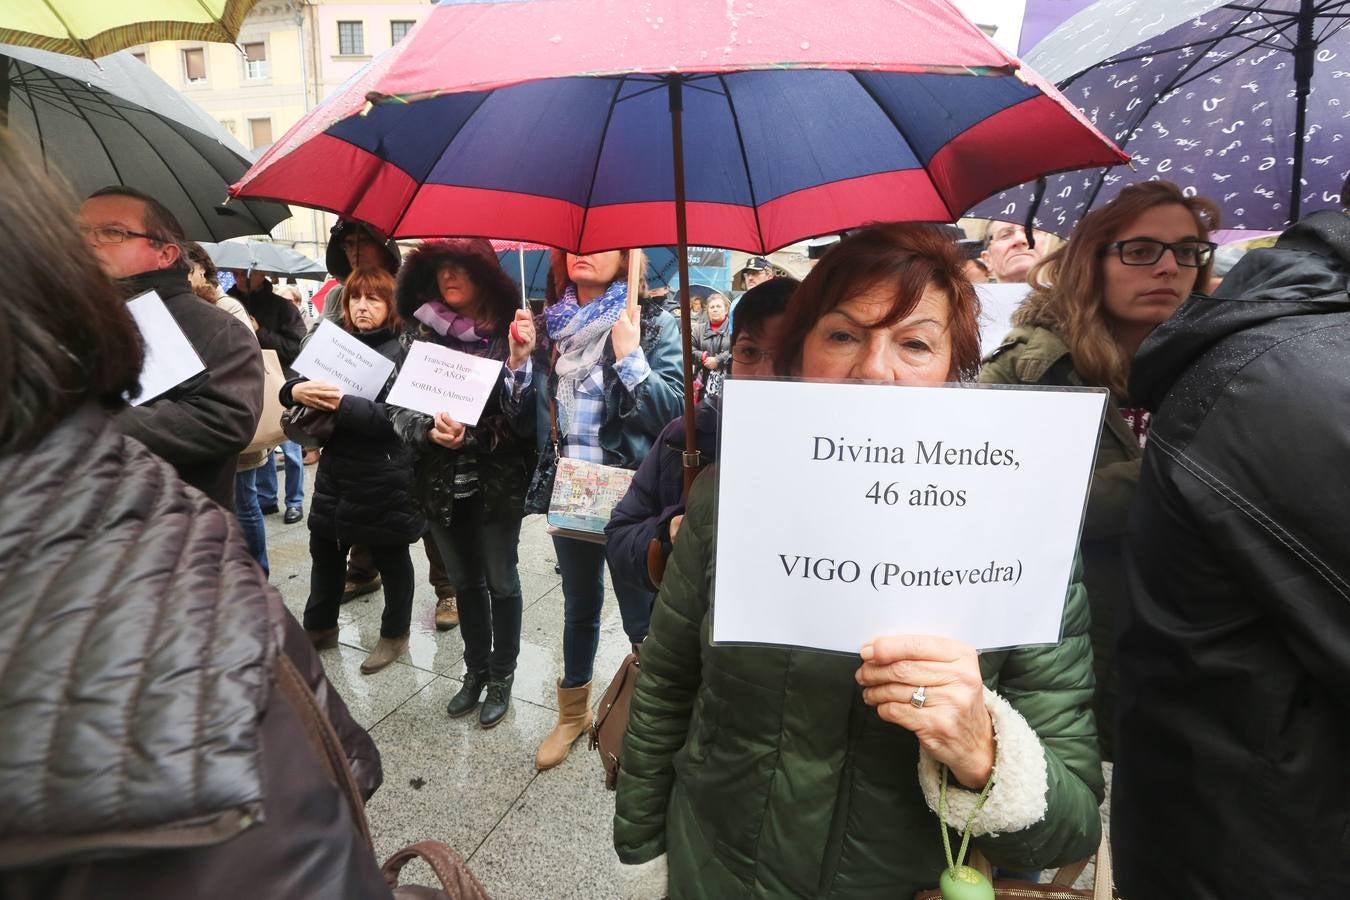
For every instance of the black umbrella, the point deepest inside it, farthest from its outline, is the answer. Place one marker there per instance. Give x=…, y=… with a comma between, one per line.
x=1243, y=102
x=115, y=122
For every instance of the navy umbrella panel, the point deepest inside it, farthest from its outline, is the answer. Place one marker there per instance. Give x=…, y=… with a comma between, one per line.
x=1211, y=104
x=586, y=162
x=115, y=122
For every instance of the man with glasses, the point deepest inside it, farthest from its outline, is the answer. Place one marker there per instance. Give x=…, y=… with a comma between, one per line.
x=1233, y=648
x=201, y=425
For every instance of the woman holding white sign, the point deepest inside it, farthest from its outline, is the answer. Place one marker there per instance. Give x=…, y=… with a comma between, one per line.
x=614, y=379
x=779, y=772
x=471, y=477
x=1094, y=300
x=363, y=487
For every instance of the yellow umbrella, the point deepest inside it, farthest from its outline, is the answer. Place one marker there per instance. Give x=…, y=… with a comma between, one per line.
x=94, y=28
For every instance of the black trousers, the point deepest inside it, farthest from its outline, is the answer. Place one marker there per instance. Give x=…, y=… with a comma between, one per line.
x=328, y=578
x=480, y=555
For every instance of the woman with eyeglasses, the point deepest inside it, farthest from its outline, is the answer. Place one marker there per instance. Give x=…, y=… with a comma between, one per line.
x=1125, y=270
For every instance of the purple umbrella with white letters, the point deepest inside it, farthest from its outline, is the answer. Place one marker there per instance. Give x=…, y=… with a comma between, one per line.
x=1247, y=103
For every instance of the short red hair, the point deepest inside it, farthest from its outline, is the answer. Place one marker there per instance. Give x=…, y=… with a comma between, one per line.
x=374, y=283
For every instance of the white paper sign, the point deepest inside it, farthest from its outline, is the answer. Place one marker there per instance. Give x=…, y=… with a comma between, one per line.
x=436, y=379
x=170, y=359
x=998, y=302
x=334, y=356
x=852, y=511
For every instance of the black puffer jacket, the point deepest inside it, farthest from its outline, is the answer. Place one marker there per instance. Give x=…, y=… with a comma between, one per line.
x=363, y=491
x=500, y=450
x=1233, y=651
x=148, y=750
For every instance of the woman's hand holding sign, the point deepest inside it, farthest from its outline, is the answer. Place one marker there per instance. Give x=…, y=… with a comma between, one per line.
x=317, y=395
x=446, y=432
x=949, y=716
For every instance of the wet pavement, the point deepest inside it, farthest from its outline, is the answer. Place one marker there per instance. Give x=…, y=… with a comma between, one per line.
x=526, y=834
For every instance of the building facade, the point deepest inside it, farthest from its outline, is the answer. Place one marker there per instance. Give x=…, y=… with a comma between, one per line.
x=291, y=54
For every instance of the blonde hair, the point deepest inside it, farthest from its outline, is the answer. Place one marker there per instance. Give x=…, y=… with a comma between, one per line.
x=1067, y=285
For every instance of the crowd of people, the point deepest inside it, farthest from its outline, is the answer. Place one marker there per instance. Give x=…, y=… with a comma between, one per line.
x=1205, y=631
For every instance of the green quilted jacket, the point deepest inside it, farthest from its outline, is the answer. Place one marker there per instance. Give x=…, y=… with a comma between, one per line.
x=761, y=773
x=1033, y=355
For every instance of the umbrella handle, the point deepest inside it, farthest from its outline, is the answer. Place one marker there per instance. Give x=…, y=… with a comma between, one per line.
x=635, y=264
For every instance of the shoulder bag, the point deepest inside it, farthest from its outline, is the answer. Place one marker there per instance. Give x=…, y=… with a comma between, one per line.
x=269, y=432
x=1058, y=888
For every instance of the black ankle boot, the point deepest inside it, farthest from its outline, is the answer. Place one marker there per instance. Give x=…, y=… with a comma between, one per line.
x=464, y=702
x=497, y=703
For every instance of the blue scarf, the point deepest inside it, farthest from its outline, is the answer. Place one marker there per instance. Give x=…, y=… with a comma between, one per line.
x=580, y=333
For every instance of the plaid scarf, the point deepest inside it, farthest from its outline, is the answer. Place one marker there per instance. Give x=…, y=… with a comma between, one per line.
x=580, y=333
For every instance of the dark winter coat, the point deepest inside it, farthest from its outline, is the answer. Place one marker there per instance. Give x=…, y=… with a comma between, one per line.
x=656, y=496
x=280, y=325
x=715, y=344
x=201, y=426
x=1038, y=356
x=363, y=490
x=500, y=450
x=762, y=773
x=1234, y=648
x=632, y=419
x=148, y=749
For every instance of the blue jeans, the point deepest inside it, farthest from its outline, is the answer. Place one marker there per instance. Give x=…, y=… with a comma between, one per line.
x=480, y=556
x=583, y=584
x=249, y=514
x=295, y=478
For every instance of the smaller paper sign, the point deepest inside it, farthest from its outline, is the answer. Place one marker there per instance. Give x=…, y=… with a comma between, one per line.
x=436, y=379
x=998, y=302
x=170, y=358
x=334, y=356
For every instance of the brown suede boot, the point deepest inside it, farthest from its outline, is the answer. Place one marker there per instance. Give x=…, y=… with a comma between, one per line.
x=385, y=652
x=574, y=720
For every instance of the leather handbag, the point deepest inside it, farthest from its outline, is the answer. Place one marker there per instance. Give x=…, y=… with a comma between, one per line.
x=611, y=719
x=307, y=426
x=1058, y=888
x=457, y=882
x=269, y=432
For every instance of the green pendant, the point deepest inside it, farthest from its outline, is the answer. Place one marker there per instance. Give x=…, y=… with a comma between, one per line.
x=965, y=883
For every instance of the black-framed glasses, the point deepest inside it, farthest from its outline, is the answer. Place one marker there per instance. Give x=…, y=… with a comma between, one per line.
x=114, y=234
x=748, y=355
x=1147, y=251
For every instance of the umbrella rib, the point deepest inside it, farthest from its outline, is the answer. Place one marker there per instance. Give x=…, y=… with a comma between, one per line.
x=160, y=156
x=98, y=137
x=946, y=203
x=745, y=158
x=32, y=104
x=599, y=152
x=398, y=220
x=1264, y=26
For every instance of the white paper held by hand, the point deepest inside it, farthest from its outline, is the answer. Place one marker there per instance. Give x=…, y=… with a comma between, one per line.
x=436, y=379
x=170, y=358
x=849, y=511
x=334, y=356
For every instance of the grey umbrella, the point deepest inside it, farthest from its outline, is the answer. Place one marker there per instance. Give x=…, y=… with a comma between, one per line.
x=1241, y=102
x=115, y=122
x=265, y=257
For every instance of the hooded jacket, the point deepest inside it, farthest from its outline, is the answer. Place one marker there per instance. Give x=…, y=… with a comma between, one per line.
x=1233, y=651
x=500, y=449
x=280, y=325
x=336, y=260
x=201, y=426
x=149, y=750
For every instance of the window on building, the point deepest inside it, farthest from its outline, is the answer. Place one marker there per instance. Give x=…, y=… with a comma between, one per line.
x=351, y=39
x=398, y=29
x=194, y=65
x=255, y=61
x=260, y=133
x=140, y=56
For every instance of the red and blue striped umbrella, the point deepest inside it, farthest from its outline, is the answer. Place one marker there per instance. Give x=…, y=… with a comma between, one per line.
x=552, y=122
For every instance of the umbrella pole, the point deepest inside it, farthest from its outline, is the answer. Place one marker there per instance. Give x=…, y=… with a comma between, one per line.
x=524, y=294
x=691, y=460
x=4, y=91
x=1305, y=57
